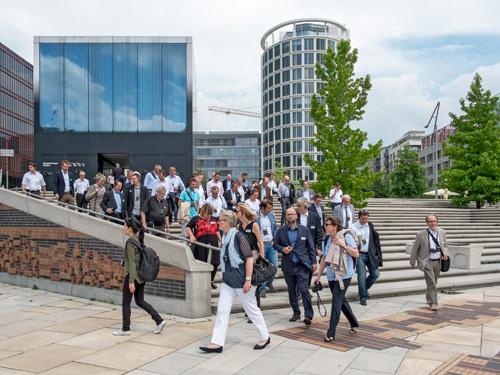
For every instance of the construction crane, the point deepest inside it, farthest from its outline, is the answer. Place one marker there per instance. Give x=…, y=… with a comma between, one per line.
x=232, y=111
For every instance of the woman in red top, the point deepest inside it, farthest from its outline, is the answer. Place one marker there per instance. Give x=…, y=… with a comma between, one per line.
x=205, y=229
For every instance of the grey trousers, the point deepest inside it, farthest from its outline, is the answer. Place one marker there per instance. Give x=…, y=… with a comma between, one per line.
x=431, y=273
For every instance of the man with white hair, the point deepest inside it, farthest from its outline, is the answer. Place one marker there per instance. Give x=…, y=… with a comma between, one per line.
x=345, y=212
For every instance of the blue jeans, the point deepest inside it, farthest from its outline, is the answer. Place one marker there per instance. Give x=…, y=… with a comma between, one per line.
x=365, y=283
x=272, y=256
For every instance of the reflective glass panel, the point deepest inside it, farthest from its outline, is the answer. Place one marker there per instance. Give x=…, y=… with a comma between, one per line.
x=76, y=89
x=149, y=88
x=101, y=87
x=174, y=88
x=125, y=87
x=51, y=86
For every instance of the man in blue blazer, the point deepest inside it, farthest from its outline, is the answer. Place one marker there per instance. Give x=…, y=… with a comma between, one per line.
x=298, y=260
x=63, y=183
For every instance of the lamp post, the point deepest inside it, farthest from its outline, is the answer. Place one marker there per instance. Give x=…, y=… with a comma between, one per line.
x=434, y=116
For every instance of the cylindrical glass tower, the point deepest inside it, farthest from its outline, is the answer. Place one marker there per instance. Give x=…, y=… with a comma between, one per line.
x=291, y=50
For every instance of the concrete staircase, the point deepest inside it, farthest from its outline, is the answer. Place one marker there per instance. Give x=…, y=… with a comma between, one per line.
x=397, y=222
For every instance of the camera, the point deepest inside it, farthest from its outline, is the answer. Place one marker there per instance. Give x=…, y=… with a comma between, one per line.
x=264, y=232
x=316, y=287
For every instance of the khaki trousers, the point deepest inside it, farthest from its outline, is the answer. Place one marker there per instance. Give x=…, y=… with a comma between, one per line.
x=67, y=198
x=431, y=273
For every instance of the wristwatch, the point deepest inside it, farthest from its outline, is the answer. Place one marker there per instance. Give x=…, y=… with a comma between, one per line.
x=248, y=278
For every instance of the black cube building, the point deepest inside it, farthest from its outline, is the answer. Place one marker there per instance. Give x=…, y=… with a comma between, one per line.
x=106, y=100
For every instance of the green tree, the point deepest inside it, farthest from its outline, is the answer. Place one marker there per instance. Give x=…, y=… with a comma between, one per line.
x=339, y=102
x=408, y=177
x=474, y=149
x=381, y=187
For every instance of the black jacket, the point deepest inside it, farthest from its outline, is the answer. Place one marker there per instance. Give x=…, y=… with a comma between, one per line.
x=128, y=198
x=108, y=201
x=304, y=247
x=314, y=225
x=228, y=197
x=374, y=249
x=59, y=183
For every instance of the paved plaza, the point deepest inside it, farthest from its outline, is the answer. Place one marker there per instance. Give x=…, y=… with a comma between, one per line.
x=48, y=333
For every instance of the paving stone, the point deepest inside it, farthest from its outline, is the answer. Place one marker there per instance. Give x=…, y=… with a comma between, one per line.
x=22, y=327
x=126, y=356
x=465, y=336
x=489, y=348
x=417, y=366
x=75, y=368
x=379, y=361
x=9, y=371
x=7, y=354
x=99, y=339
x=333, y=360
x=32, y=340
x=82, y=326
x=174, y=363
x=173, y=337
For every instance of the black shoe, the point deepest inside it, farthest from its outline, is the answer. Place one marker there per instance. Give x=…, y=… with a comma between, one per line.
x=294, y=318
x=249, y=321
x=211, y=350
x=307, y=321
x=214, y=286
x=259, y=347
x=362, y=302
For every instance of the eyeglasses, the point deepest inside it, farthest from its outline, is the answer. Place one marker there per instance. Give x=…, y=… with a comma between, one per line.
x=328, y=224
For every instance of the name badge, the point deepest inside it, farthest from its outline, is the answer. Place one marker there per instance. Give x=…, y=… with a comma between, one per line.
x=303, y=238
x=248, y=230
x=313, y=226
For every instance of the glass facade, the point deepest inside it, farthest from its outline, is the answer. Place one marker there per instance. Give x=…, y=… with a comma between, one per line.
x=228, y=153
x=287, y=126
x=113, y=87
x=16, y=114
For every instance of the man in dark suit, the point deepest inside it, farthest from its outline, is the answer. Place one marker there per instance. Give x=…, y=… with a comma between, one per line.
x=112, y=202
x=227, y=183
x=232, y=196
x=63, y=182
x=298, y=261
x=317, y=207
x=117, y=171
x=311, y=220
x=134, y=196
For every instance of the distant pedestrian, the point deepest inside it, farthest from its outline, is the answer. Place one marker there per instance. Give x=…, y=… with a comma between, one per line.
x=217, y=201
x=155, y=211
x=345, y=212
x=95, y=194
x=132, y=283
x=335, y=195
x=286, y=196
x=112, y=202
x=267, y=224
x=175, y=188
x=215, y=181
x=81, y=187
x=134, y=196
x=253, y=202
x=63, y=182
x=33, y=181
x=151, y=177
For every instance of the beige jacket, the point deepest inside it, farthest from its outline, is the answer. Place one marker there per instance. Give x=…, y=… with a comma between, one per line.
x=420, y=250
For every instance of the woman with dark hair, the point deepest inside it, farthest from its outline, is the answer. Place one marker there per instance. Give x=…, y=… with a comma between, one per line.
x=204, y=228
x=132, y=283
x=339, y=249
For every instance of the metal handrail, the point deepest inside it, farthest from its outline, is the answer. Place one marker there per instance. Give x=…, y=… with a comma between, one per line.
x=120, y=221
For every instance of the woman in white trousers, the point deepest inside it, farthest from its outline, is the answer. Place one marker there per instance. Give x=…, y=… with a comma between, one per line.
x=237, y=267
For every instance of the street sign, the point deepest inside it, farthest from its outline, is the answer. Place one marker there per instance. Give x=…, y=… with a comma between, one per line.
x=7, y=152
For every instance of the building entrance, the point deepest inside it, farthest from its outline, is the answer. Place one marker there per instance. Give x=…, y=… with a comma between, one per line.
x=107, y=162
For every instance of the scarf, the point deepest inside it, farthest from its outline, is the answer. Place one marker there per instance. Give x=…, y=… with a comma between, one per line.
x=228, y=245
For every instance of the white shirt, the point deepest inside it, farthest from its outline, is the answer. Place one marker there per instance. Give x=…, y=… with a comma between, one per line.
x=319, y=210
x=157, y=183
x=272, y=185
x=33, y=181
x=254, y=206
x=242, y=193
x=346, y=213
x=175, y=184
x=265, y=225
x=335, y=196
x=212, y=183
x=303, y=219
x=432, y=245
x=66, y=181
x=363, y=232
x=201, y=193
x=307, y=194
x=80, y=186
x=217, y=203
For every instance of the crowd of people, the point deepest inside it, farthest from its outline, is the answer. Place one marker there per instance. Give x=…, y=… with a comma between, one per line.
x=237, y=216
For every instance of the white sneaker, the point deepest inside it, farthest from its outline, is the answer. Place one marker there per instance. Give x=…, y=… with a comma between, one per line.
x=121, y=332
x=160, y=327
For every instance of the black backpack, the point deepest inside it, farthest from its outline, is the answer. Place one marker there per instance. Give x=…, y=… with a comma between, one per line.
x=149, y=267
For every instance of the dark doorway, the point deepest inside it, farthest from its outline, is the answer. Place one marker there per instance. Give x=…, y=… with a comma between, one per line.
x=106, y=162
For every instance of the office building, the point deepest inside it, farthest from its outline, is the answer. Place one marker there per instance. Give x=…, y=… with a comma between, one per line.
x=16, y=115
x=290, y=52
x=227, y=152
x=431, y=154
x=102, y=100
x=389, y=155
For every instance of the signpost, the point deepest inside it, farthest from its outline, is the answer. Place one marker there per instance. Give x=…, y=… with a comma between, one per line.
x=7, y=153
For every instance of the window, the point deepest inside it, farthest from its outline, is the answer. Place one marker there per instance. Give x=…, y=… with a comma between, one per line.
x=264, y=72
x=285, y=75
x=125, y=71
x=286, y=161
x=297, y=117
x=320, y=44
x=308, y=44
x=277, y=106
x=277, y=65
x=277, y=134
x=285, y=47
x=270, y=109
x=297, y=45
x=285, y=61
x=297, y=74
x=270, y=122
x=270, y=67
x=286, y=90
x=297, y=103
x=270, y=54
x=297, y=88
x=277, y=149
x=308, y=58
x=286, y=118
x=297, y=132
x=276, y=50
x=331, y=45
x=286, y=133
x=277, y=120
x=307, y=102
x=297, y=147
x=320, y=57
x=308, y=87
x=297, y=59
x=270, y=95
x=308, y=73
x=309, y=131
x=286, y=146
x=277, y=78
x=270, y=81
x=308, y=147
x=271, y=136
x=286, y=104
x=277, y=92
x=265, y=98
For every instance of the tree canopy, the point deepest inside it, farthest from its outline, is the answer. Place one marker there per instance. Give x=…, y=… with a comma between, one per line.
x=407, y=180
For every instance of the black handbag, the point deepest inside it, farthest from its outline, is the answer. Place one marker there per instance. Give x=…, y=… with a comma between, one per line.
x=262, y=271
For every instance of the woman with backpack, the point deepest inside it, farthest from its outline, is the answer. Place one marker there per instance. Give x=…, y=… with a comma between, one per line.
x=204, y=228
x=132, y=283
x=339, y=249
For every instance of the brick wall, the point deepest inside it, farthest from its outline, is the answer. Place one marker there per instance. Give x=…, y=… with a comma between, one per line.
x=34, y=247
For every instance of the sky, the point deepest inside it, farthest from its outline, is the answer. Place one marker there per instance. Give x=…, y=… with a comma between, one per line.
x=416, y=52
